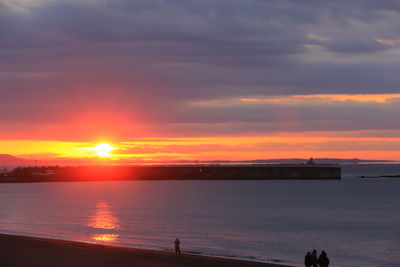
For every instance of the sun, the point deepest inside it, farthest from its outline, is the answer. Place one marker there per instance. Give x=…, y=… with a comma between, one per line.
x=103, y=150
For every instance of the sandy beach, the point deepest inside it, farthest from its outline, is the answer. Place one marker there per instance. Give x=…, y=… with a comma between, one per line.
x=21, y=251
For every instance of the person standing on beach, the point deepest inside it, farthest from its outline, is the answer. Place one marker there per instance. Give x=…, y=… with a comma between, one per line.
x=323, y=260
x=177, y=246
x=314, y=258
x=307, y=260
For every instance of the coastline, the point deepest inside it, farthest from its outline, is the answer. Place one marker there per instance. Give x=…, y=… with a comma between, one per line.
x=22, y=251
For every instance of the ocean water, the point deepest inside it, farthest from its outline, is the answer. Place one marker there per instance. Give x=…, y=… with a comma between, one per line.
x=355, y=220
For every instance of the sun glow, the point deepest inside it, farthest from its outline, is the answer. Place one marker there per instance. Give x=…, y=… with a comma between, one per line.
x=103, y=150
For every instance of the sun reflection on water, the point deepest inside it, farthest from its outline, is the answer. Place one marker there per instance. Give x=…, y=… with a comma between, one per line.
x=105, y=220
x=105, y=237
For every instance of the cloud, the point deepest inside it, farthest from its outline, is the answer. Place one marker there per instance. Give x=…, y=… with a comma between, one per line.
x=147, y=62
x=378, y=98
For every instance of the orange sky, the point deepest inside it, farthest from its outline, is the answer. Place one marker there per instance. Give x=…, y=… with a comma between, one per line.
x=313, y=144
x=74, y=141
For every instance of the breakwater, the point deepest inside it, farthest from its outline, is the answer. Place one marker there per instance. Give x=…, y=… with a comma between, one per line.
x=102, y=173
x=237, y=172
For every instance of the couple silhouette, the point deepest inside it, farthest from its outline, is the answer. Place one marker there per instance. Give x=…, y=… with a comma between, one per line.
x=311, y=259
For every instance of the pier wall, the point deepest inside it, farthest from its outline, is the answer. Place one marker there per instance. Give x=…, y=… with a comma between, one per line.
x=237, y=173
x=212, y=173
x=106, y=173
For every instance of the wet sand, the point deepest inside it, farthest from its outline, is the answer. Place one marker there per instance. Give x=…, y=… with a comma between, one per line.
x=21, y=251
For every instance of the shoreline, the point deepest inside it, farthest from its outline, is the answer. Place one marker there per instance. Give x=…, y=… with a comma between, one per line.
x=17, y=250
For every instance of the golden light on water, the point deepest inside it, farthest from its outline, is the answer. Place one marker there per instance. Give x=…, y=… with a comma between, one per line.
x=104, y=220
x=106, y=237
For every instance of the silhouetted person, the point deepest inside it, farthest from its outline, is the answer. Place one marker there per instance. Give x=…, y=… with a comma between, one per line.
x=307, y=260
x=177, y=246
x=314, y=258
x=323, y=260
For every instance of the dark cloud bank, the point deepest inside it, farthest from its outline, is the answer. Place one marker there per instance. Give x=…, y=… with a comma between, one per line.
x=152, y=59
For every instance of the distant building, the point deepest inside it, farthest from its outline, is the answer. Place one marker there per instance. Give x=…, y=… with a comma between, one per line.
x=4, y=171
x=43, y=172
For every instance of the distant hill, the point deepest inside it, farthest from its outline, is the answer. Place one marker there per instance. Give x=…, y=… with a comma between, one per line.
x=318, y=161
x=289, y=161
x=9, y=160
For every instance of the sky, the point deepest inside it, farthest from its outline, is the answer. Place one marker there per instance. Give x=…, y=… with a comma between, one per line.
x=163, y=80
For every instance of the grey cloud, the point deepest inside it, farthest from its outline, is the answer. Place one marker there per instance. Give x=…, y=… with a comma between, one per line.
x=153, y=57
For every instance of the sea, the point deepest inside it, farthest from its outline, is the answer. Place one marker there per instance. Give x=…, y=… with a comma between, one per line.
x=356, y=221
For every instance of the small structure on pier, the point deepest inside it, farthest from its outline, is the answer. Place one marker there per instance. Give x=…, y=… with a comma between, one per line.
x=311, y=161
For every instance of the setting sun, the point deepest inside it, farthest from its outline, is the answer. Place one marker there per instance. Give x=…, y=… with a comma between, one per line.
x=103, y=150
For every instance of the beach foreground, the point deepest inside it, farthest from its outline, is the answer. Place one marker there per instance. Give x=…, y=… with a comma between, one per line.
x=21, y=251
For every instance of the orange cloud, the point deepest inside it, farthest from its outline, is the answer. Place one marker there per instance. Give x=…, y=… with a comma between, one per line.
x=379, y=98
